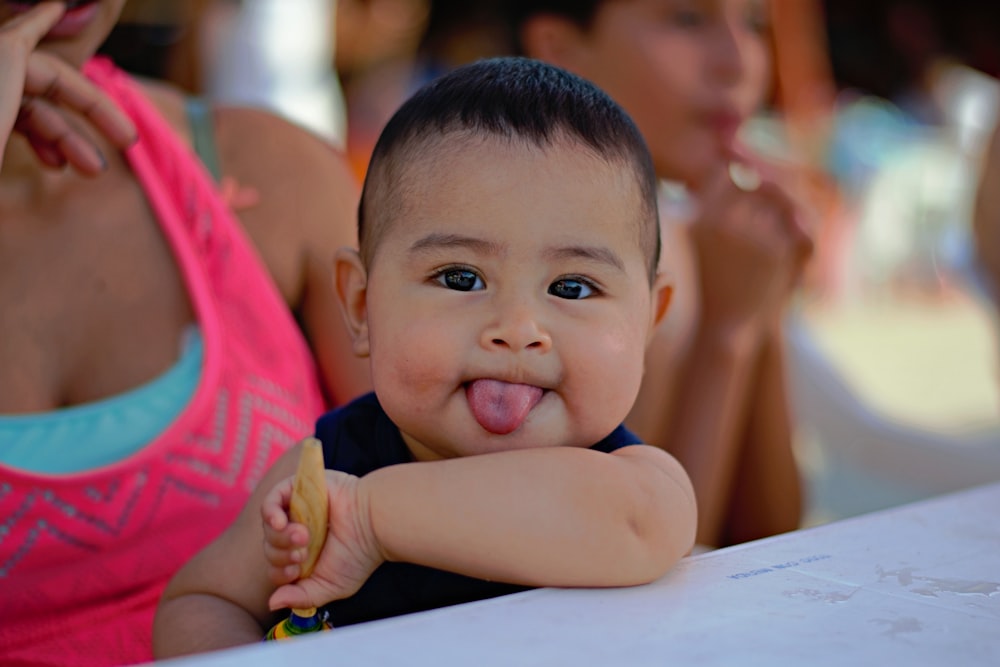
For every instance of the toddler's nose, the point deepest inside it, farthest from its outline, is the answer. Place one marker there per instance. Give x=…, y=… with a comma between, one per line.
x=517, y=329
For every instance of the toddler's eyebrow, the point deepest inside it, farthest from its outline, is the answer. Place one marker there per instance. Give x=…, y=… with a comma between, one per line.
x=434, y=240
x=593, y=253
x=598, y=254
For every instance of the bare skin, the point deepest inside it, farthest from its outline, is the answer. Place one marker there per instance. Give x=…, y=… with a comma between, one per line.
x=714, y=391
x=726, y=416
x=579, y=517
x=94, y=303
x=986, y=219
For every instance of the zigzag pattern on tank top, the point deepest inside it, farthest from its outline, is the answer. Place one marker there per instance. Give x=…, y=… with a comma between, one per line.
x=87, y=518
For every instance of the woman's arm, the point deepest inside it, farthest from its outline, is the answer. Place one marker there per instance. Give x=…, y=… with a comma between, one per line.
x=748, y=247
x=305, y=210
x=766, y=496
x=708, y=420
x=218, y=599
x=986, y=217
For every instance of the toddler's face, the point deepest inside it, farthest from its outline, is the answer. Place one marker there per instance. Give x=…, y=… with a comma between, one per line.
x=508, y=302
x=689, y=73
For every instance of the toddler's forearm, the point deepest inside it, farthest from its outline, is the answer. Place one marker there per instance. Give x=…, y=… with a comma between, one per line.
x=543, y=517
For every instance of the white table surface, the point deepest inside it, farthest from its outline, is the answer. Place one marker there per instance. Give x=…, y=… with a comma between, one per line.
x=914, y=585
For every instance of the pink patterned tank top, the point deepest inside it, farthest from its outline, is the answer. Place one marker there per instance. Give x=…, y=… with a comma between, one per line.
x=84, y=557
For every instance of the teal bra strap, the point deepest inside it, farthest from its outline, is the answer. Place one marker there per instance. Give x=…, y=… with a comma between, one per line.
x=203, y=132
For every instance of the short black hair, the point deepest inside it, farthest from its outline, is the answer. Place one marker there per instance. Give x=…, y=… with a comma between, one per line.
x=516, y=99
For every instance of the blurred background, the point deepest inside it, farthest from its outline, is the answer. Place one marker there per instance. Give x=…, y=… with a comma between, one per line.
x=886, y=106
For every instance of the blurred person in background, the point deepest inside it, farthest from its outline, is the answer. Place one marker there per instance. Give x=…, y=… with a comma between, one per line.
x=375, y=60
x=986, y=218
x=165, y=336
x=715, y=392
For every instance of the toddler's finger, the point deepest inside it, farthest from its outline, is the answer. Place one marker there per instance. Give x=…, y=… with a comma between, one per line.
x=283, y=575
x=299, y=595
x=278, y=556
x=273, y=509
x=292, y=536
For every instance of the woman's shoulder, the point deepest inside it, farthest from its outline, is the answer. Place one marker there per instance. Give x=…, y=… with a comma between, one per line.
x=255, y=143
x=302, y=181
x=169, y=101
x=293, y=192
x=259, y=147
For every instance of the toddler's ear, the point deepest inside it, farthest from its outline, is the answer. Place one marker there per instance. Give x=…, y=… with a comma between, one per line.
x=351, y=282
x=663, y=292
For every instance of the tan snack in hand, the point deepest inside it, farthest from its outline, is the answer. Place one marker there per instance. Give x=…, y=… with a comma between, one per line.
x=309, y=504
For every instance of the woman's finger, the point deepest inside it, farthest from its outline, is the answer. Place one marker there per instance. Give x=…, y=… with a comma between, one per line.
x=35, y=23
x=44, y=125
x=56, y=81
x=47, y=153
x=18, y=38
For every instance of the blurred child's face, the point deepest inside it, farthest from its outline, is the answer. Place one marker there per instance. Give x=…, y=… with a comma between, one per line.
x=81, y=30
x=508, y=303
x=689, y=72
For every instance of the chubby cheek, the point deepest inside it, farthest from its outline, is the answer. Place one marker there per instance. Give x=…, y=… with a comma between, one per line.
x=606, y=380
x=420, y=357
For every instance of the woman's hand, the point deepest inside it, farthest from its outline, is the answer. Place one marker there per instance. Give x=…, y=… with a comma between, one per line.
x=349, y=555
x=33, y=87
x=752, y=243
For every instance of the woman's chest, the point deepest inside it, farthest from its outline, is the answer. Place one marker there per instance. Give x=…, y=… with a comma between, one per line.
x=91, y=298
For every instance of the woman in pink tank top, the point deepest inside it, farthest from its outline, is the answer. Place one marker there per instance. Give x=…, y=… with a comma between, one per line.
x=114, y=240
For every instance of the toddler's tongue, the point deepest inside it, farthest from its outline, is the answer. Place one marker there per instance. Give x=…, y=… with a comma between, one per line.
x=501, y=407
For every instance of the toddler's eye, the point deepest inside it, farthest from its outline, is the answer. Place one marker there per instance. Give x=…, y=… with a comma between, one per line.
x=462, y=280
x=570, y=288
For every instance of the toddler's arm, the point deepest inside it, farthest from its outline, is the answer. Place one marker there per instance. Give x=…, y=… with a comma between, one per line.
x=219, y=598
x=557, y=516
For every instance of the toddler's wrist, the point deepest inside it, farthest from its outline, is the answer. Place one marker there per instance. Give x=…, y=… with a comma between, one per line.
x=365, y=523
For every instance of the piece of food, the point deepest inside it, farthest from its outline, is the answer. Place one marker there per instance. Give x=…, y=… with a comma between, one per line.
x=309, y=505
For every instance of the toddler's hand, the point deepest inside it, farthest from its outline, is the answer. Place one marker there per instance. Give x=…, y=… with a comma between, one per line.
x=284, y=542
x=349, y=556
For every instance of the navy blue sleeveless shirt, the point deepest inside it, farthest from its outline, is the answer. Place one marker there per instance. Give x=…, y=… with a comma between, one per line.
x=359, y=438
